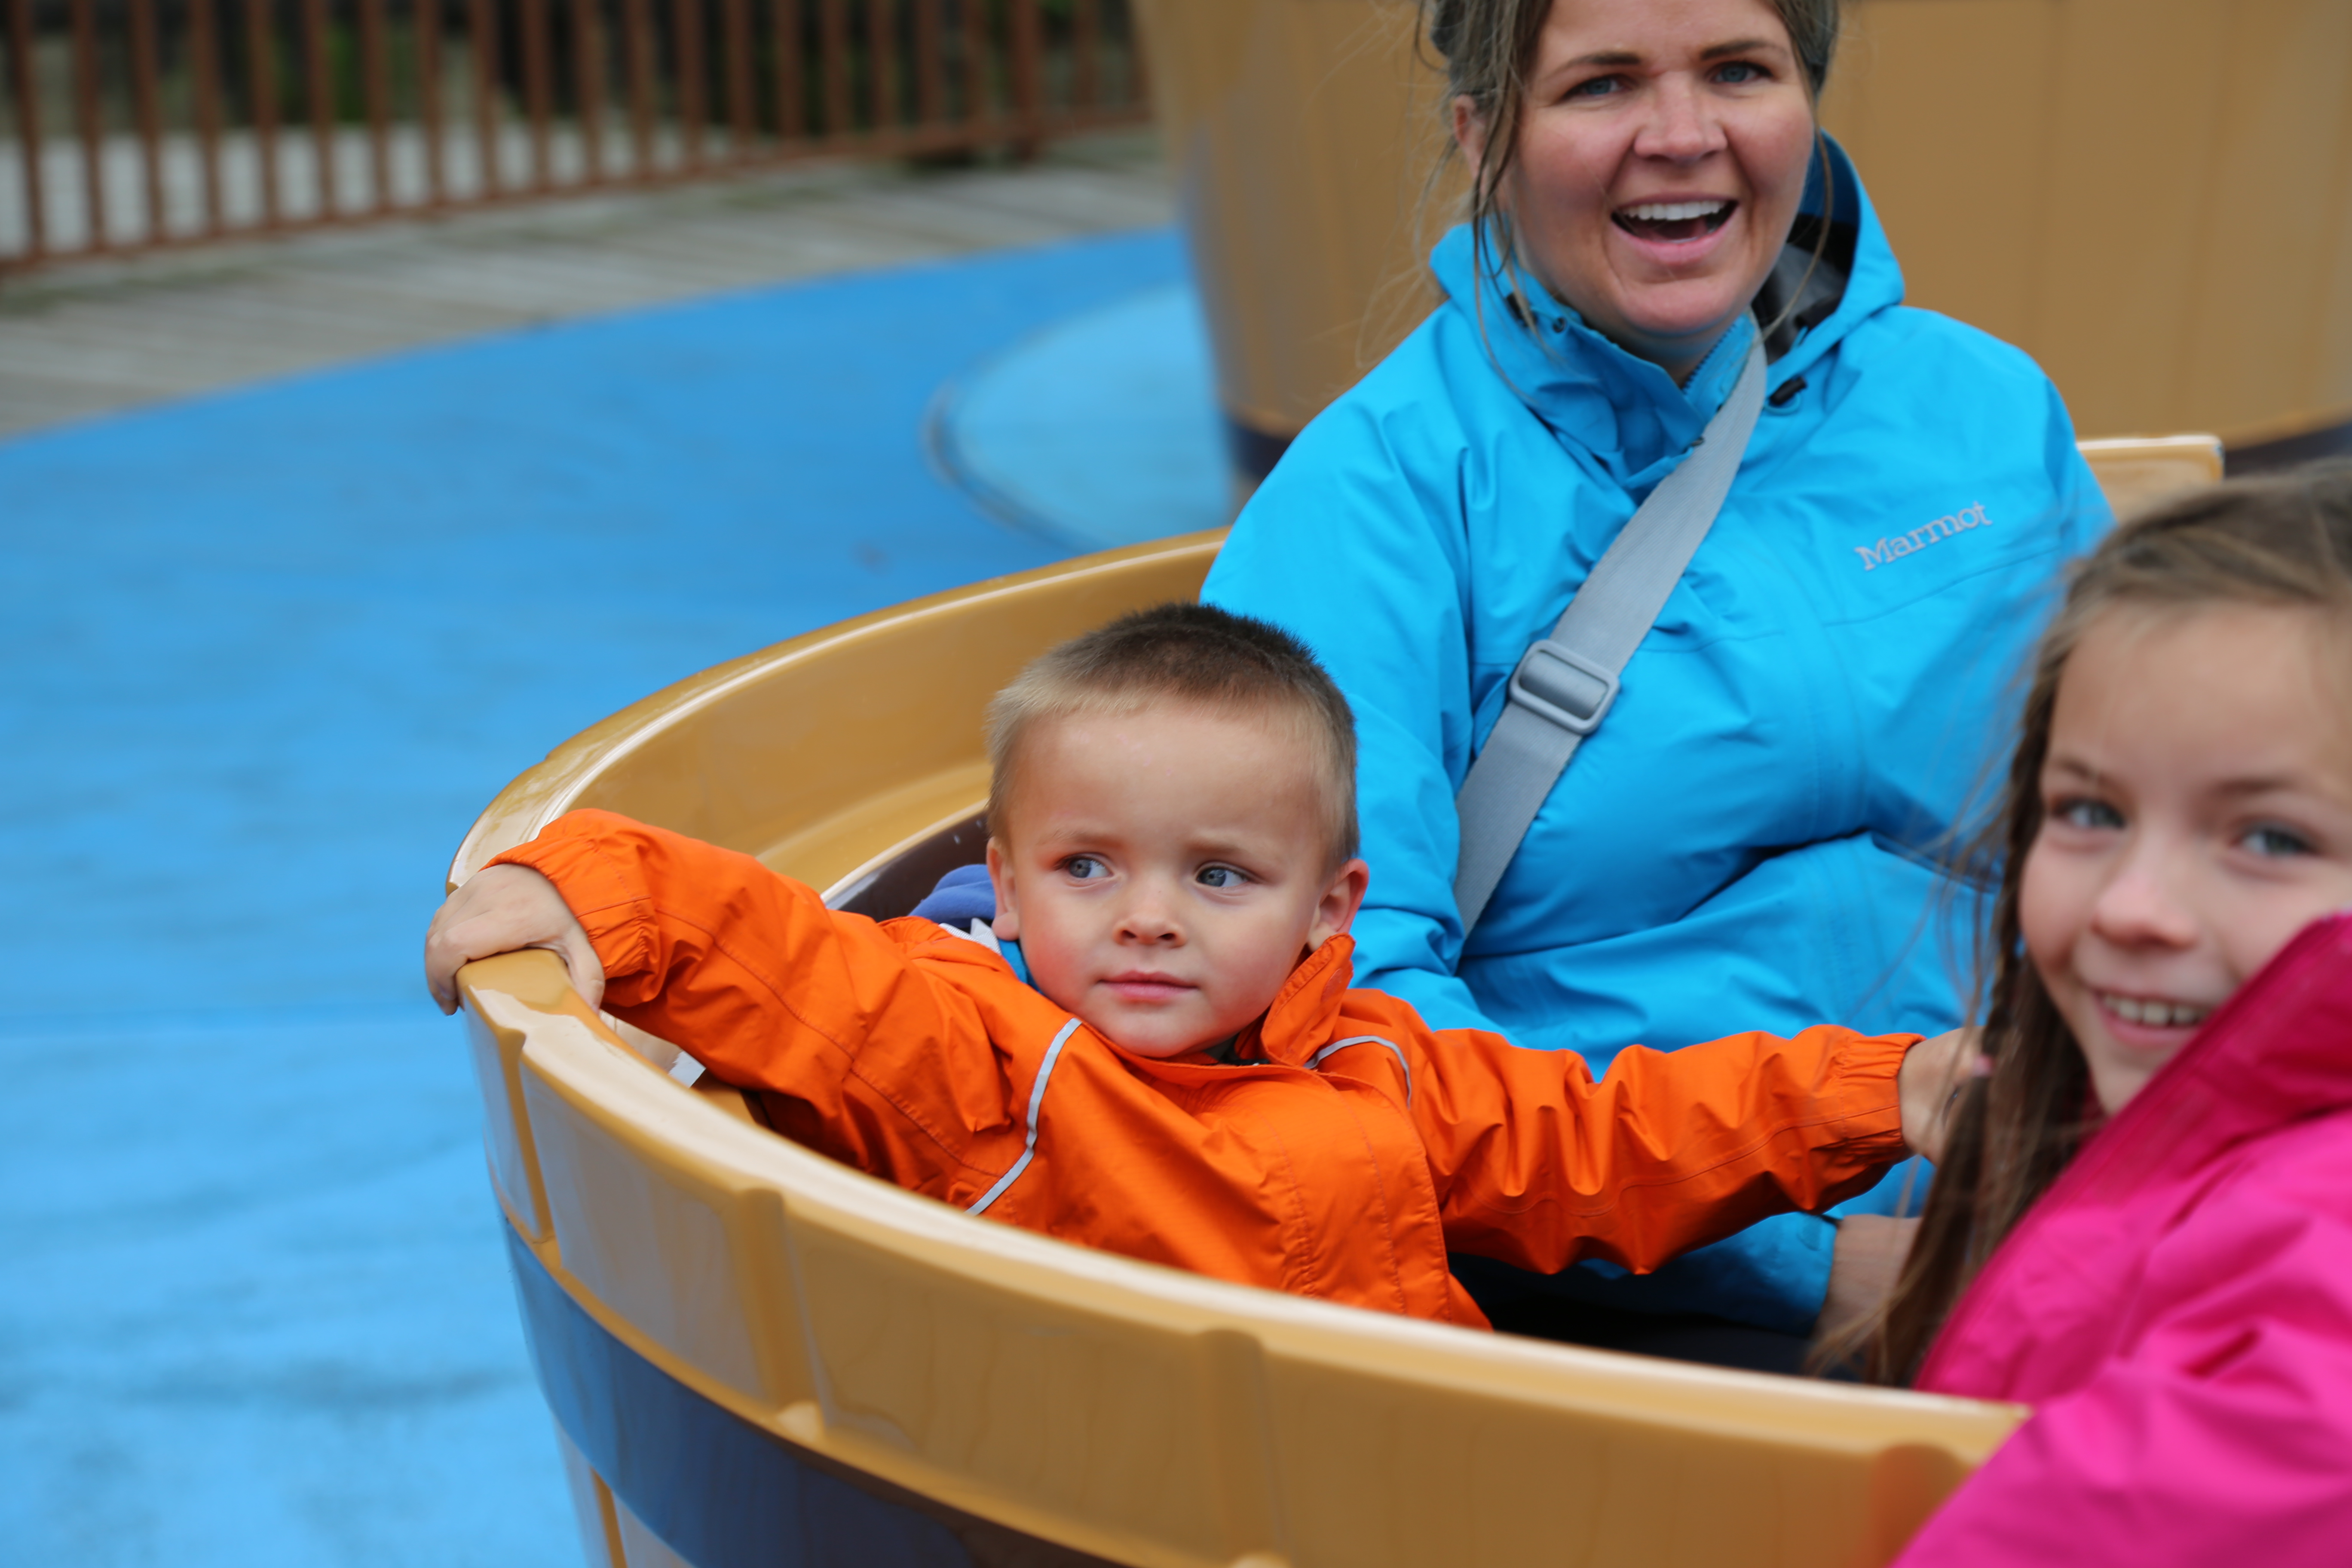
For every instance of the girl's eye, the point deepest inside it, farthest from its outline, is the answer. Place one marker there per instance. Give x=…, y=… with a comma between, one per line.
x=2082, y=811
x=1220, y=877
x=1084, y=868
x=2272, y=841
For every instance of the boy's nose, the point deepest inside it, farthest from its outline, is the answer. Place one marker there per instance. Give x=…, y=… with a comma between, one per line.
x=1149, y=915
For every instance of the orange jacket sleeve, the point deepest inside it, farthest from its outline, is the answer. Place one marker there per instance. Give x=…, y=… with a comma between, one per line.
x=1537, y=1165
x=863, y=1054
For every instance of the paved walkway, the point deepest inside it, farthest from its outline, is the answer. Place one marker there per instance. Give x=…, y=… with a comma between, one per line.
x=91, y=338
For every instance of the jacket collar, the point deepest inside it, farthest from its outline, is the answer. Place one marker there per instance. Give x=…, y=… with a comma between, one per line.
x=2278, y=1051
x=1300, y=1019
x=2042, y=1315
x=1625, y=411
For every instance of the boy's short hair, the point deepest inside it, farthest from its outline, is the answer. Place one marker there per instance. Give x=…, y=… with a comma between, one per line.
x=1185, y=653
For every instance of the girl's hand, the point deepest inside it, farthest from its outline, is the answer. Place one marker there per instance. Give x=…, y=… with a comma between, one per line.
x=1928, y=1083
x=503, y=910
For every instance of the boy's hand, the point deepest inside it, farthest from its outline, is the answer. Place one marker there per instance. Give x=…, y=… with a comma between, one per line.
x=1928, y=1083
x=502, y=909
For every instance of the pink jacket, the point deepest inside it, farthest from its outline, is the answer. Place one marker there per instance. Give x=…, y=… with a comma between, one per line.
x=2178, y=1309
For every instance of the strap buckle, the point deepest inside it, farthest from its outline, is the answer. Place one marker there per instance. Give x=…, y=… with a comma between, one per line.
x=1564, y=687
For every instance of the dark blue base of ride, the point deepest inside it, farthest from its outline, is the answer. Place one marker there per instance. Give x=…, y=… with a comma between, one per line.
x=721, y=1493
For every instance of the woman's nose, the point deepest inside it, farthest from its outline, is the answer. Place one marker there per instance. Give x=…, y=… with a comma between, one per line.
x=1681, y=126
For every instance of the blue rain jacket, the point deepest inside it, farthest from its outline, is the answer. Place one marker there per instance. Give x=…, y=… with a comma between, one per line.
x=1752, y=839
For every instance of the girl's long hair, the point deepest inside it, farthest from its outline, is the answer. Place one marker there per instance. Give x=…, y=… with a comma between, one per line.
x=2284, y=542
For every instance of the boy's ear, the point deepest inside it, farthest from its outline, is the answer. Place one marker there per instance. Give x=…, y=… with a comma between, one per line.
x=1342, y=896
x=1007, y=924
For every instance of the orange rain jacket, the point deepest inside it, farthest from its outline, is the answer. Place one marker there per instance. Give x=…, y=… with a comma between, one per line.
x=1348, y=1150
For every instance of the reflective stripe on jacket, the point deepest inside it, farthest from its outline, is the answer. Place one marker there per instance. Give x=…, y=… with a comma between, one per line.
x=1347, y=1153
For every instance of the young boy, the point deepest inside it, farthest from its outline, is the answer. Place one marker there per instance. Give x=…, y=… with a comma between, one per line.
x=1186, y=1076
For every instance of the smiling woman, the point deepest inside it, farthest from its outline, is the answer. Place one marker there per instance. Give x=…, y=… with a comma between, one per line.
x=1655, y=168
x=1752, y=823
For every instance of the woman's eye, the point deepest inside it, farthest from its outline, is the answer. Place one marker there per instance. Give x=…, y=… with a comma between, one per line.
x=1594, y=87
x=1738, y=73
x=2270, y=840
x=1220, y=877
x=1085, y=867
x=2081, y=811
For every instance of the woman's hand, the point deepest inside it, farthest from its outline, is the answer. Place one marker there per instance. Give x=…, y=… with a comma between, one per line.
x=505, y=909
x=1928, y=1084
x=1862, y=1269
x=1870, y=1247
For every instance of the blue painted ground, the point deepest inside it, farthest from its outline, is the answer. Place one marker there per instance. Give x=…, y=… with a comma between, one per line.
x=1100, y=431
x=265, y=657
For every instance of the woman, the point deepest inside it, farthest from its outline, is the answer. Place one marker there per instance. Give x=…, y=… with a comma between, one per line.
x=1752, y=832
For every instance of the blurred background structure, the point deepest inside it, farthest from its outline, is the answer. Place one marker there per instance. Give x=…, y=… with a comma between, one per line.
x=115, y=332
x=144, y=123
x=2152, y=197
x=390, y=389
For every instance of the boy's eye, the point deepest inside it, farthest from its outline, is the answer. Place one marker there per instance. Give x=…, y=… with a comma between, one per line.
x=1085, y=867
x=2081, y=811
x=2270, y=840
x=1220, y=877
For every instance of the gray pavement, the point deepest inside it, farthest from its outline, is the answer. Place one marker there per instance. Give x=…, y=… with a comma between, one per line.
x=85, y=338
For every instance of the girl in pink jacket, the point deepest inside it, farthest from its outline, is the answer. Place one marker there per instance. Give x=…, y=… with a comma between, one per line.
x=2142, y=1223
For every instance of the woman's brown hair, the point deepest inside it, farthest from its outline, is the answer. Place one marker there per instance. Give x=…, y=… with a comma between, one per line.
x=1488, y=47
x=2283, y=543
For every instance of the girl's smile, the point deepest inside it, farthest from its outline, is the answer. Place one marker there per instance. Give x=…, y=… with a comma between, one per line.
x=2197, y=813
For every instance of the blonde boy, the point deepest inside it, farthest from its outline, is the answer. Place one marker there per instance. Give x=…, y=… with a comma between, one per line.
x=1185, y=1075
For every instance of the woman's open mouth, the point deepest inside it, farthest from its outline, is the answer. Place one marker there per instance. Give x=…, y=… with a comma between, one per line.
x=1675, y=223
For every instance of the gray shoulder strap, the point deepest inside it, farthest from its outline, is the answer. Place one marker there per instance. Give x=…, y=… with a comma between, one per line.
x=1565, y=684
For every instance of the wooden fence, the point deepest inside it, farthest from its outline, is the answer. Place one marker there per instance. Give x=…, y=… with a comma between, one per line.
x=129, y=125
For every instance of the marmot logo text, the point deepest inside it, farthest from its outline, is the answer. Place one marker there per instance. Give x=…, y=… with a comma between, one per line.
x=1873, y=556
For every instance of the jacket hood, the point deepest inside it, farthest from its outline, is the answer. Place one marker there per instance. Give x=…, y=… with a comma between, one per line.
x=1627, y=412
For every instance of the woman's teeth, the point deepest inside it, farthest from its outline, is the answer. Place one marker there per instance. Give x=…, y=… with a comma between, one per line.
x=1670, y=212
x=1674, y=221
x=2152, y=1012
